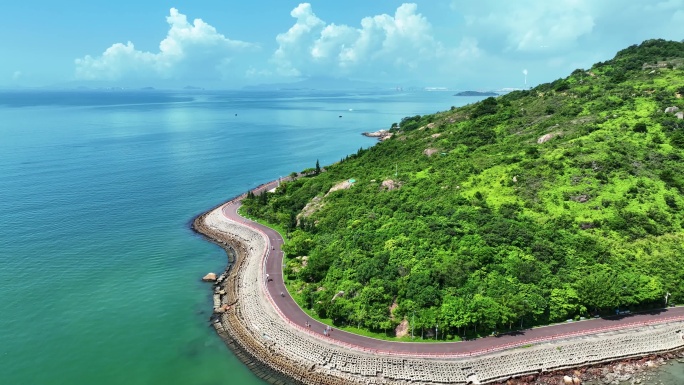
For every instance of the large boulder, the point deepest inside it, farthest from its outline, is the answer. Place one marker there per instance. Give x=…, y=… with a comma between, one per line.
x=430, y=151
x=211, y=277
x=547, y=137
x=390, y=185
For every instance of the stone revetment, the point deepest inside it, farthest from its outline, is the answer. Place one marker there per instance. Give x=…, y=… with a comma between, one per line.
x=282, y=352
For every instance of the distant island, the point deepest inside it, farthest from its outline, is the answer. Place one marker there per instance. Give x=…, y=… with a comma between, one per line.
x=476, y=93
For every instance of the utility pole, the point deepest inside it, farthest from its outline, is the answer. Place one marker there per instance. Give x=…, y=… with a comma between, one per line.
x=413, y=321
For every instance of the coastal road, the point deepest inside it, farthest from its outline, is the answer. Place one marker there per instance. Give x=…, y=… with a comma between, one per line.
x=289, y=308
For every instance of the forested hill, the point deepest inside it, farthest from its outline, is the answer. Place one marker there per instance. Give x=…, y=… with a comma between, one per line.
x=557, y=202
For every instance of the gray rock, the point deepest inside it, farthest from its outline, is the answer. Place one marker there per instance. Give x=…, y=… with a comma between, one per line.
x=609, y=378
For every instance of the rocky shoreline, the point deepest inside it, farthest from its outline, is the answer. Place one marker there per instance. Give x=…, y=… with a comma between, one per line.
x=246, y=319
x=226, y=285
x=380, y=134
x=630, y=371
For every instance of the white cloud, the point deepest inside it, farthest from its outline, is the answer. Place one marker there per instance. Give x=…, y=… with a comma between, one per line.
x=666, y=5
x=529, y=25
x=294, y=43
x=190, y=50
x=392, y=45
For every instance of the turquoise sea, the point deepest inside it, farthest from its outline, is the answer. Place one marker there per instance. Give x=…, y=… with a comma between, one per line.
x=99, y=270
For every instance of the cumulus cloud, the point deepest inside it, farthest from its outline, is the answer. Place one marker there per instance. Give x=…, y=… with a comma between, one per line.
x=529, y=25
x=389, y=44
x=190, y=50
x=540, y=26
x=294, y=44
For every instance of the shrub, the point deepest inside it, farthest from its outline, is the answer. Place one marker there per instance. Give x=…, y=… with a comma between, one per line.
x=640, y=127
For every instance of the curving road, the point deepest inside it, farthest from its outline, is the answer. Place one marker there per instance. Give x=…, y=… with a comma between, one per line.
x=288, y=308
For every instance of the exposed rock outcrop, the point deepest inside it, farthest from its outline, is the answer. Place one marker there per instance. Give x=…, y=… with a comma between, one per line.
x=316, y=203
x=430, y=151
x=581, y=198
x=210, y=277
x=340, y=186
x=390, y=185
x=380, y=134
x=402, y=329
x=547, y=137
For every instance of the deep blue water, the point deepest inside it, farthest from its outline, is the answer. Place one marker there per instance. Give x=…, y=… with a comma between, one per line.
x=99, y=271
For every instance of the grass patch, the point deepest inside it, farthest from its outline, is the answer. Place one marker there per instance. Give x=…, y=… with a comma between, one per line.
x=277, y=227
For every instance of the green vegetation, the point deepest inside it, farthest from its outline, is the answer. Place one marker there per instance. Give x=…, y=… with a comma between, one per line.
x=468, y=220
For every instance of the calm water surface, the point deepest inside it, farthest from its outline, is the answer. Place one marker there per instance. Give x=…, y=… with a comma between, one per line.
x=99, y=270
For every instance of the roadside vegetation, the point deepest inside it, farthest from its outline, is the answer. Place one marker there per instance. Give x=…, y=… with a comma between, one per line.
x=538, y=206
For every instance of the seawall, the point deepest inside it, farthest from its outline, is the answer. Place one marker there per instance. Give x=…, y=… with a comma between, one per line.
x=280, y=352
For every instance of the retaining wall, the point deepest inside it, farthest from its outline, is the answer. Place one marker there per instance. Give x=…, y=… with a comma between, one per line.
x=281, y=352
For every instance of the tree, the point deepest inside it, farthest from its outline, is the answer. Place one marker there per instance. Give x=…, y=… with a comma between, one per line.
x=599, y=289
x=485, y=310
x=640, y=127
x=454, y=312
x=298, y=244
x=564, y=303
x=318, y=168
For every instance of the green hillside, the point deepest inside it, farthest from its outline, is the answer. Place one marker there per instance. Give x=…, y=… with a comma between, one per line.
x=561, y=201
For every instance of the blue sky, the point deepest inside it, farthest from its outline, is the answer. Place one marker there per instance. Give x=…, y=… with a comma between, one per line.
x=484, y=44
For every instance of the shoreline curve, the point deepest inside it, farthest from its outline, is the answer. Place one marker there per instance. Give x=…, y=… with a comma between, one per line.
x=269, y=336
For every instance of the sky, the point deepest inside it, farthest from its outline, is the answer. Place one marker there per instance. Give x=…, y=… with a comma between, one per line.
x=459, y=44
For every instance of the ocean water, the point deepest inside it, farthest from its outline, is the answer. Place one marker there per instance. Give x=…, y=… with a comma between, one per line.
x=99, y=270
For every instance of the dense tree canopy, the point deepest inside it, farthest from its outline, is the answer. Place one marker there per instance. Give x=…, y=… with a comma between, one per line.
x=536, y=206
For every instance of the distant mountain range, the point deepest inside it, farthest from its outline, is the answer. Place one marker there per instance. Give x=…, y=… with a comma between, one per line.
x=476, y=93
